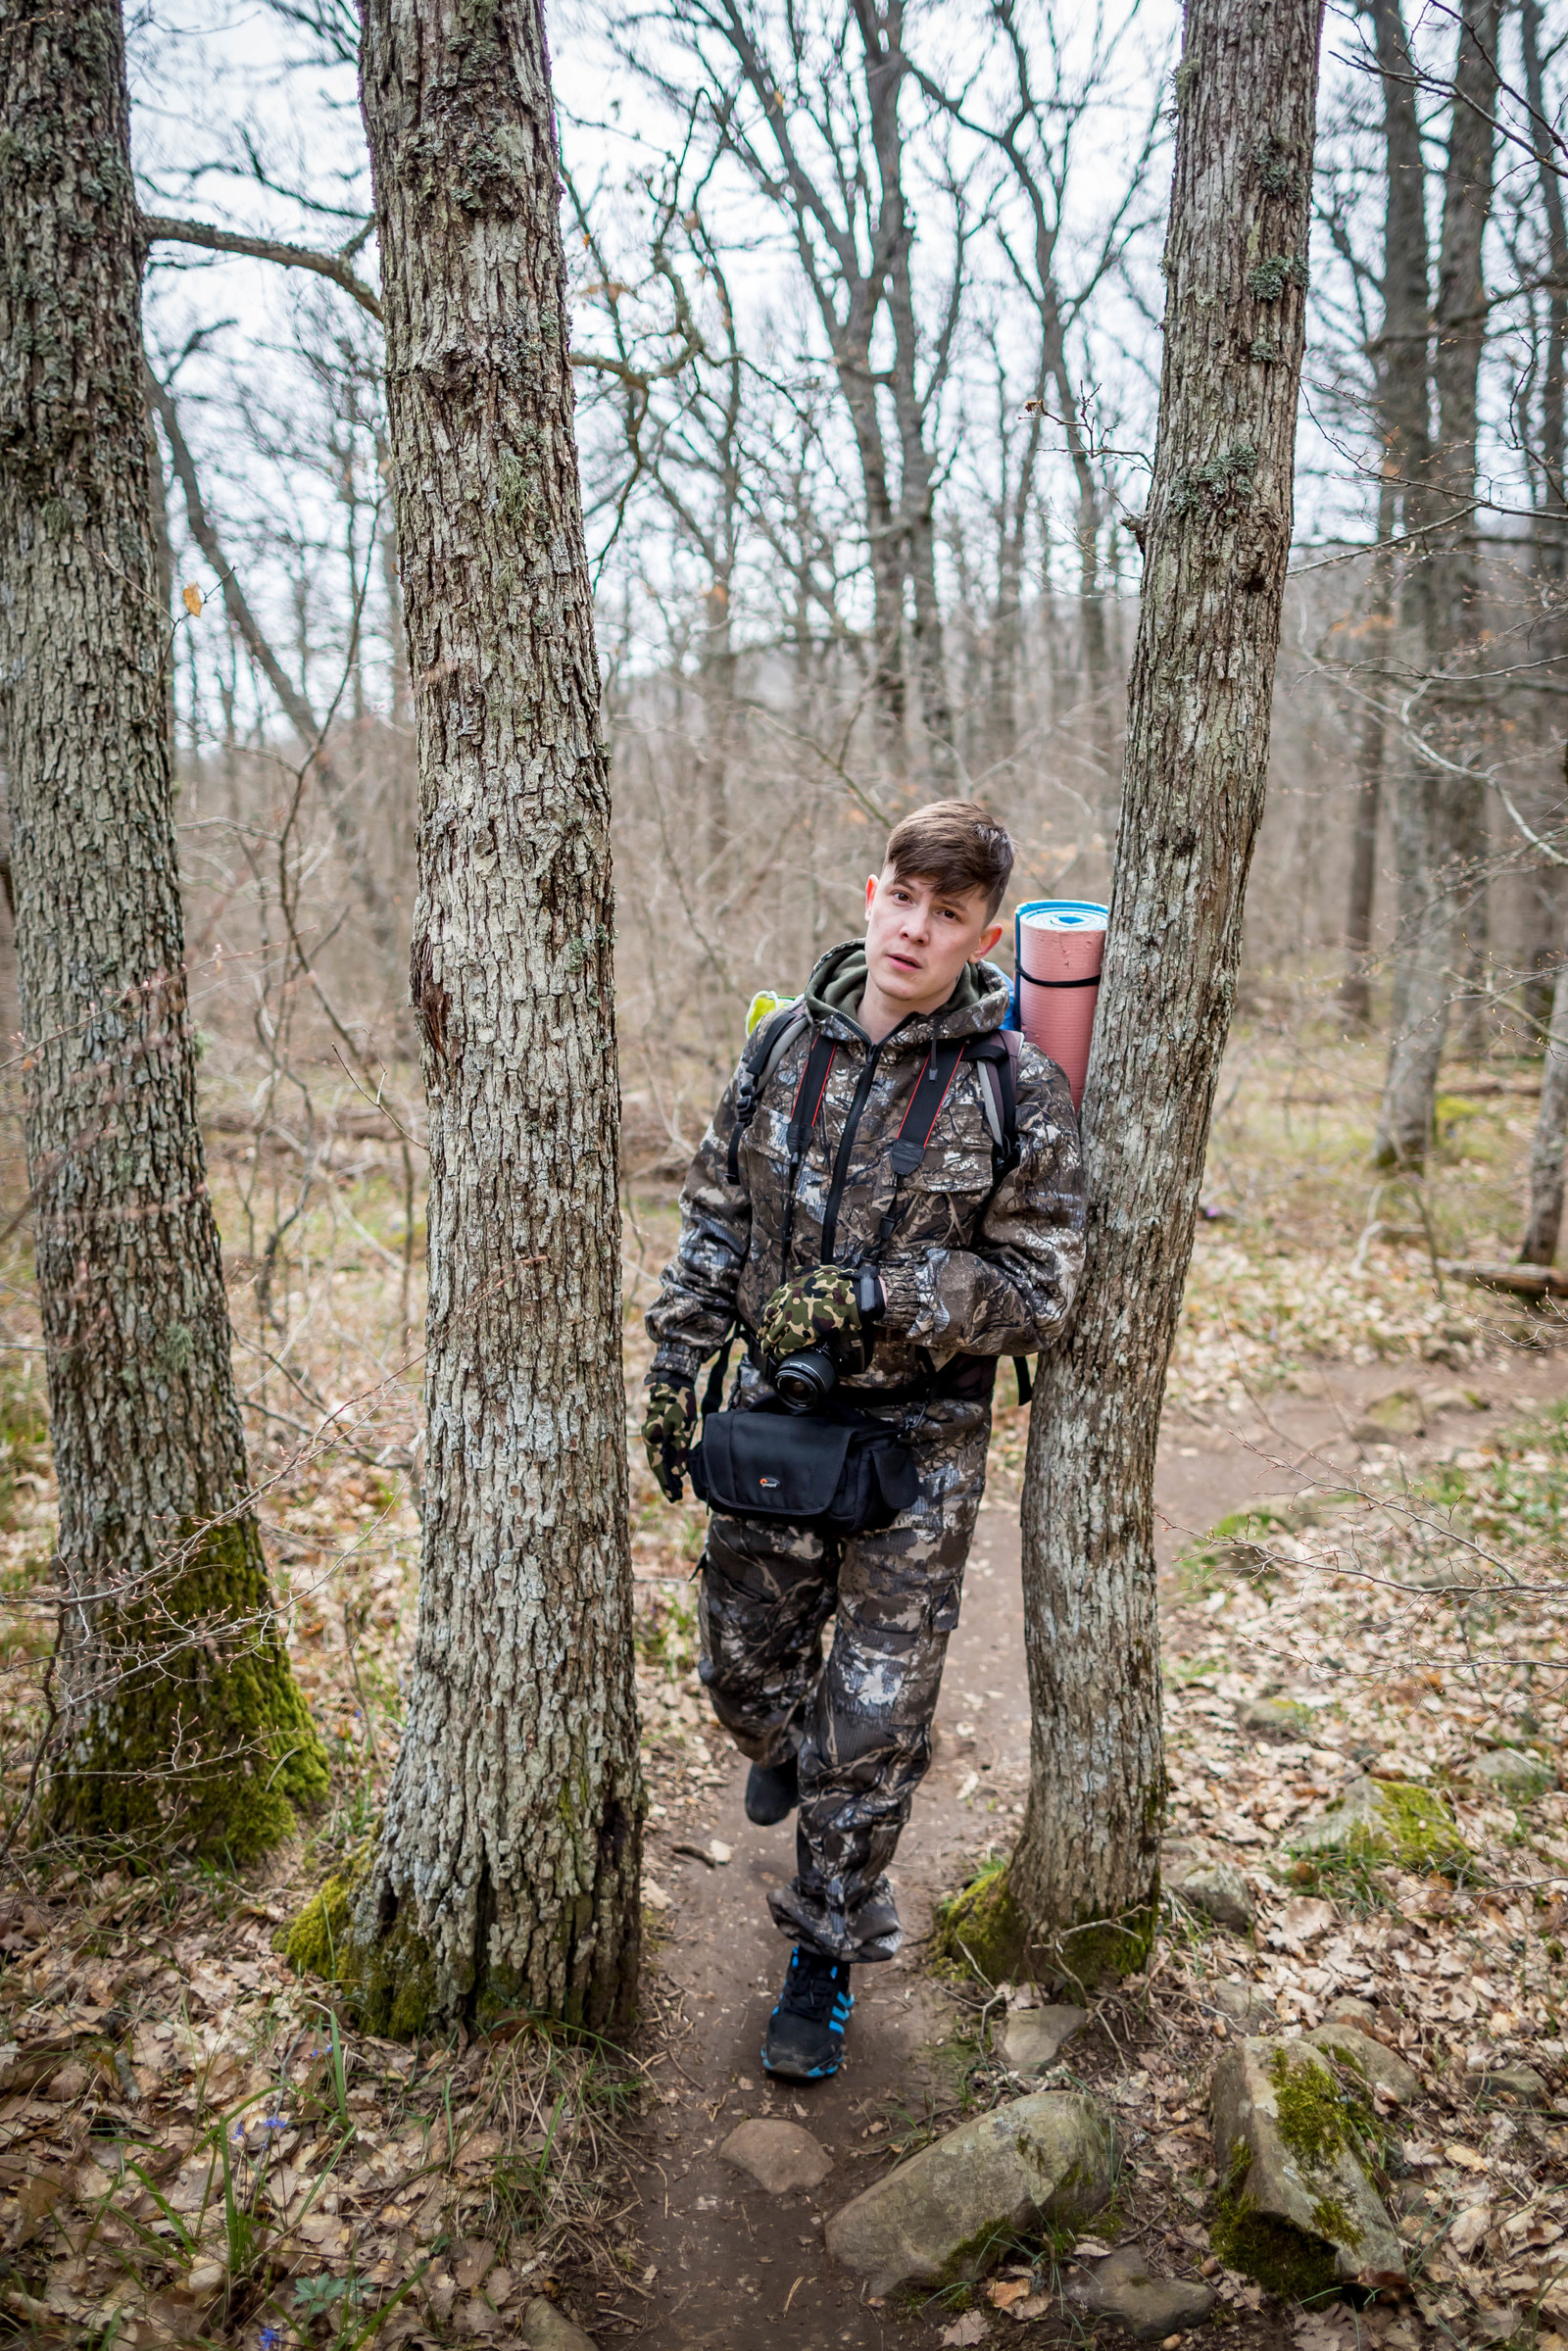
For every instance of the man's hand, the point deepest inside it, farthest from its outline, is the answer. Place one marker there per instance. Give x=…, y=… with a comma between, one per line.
x=667, y=1426
x=810, y=1309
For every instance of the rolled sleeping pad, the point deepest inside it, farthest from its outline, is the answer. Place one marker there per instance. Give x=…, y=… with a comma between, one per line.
x=1058, y=947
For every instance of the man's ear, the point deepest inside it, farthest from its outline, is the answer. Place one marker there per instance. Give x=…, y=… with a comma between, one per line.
x=870, y=896
x=988, y=940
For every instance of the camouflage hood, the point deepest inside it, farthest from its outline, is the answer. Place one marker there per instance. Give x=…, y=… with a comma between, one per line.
x=832, y=996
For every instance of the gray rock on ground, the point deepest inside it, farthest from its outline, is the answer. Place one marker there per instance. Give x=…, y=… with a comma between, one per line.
x=1296, y=2210
x=779, y=2156
x=547, y=2328
x=1400, y=1413
x=1218, y=1892
x=1149, y=2308
x=1031, y=2038
x=1367, y=2057
x=1519, y=2082
x=1388, y=1818
x=1243, y=2006
x=1276, y=1718
x=1508, y=1772
x=1347, y=2009
x=949, y=2212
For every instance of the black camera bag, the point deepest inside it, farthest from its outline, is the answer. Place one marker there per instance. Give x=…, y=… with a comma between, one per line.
x=836, y=1471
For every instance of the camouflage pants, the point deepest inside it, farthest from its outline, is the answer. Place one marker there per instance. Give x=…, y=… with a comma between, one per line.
x=860, y=1724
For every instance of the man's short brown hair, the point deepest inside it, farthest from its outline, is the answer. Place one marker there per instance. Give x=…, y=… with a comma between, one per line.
x=956, y=846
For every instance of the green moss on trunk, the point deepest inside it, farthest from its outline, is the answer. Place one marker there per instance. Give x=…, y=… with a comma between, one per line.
x=389, y=1980
x=983, y=1929
x=202, y=1737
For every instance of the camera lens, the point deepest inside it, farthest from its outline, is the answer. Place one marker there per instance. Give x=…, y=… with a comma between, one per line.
x=804, y=1380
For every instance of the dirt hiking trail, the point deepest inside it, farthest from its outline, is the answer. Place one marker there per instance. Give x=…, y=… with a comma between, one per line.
x=736, y=2269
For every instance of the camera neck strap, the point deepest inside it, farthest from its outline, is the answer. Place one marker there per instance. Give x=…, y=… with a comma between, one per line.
x=914, y=1138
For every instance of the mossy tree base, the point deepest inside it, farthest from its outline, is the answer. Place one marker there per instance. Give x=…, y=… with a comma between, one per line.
x=389, y=1980
x=984, y=1928
x=356, y=1934
x=204, y=1740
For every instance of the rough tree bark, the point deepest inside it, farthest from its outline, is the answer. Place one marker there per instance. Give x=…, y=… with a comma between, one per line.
x=1078, y=1898
x=1355, y=987
x=1543, y=1229
x=1545, y=1226
x=1442, y=816
x=180, y=1716
x=507, y=1870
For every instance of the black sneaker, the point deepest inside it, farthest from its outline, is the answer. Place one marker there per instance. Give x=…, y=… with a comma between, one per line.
x=805, y=2031
x=772, y=1791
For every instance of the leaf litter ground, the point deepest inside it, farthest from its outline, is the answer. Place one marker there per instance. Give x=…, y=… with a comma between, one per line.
x=193, y=2148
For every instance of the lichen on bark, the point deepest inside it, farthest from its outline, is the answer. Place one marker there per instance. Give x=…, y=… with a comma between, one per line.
x=178, y=1715
x=1217, y=535
x=204, y=1737
x=507, y=1870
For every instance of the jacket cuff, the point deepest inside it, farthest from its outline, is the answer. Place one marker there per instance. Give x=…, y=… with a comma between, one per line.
x=675, y=1366
x=903, y=1291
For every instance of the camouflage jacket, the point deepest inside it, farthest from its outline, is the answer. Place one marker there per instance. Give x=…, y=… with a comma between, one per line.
x=970, y=1267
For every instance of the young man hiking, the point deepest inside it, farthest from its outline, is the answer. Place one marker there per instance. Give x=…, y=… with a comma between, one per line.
x=894, y=1204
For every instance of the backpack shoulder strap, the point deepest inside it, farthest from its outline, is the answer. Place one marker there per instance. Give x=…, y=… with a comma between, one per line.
x=765, y=1048
x=996, y=1055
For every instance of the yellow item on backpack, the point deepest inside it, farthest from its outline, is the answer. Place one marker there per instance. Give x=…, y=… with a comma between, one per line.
x=764, y=1003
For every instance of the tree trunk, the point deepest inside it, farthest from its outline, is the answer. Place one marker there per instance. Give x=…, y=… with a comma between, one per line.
x=507, y=1875
x=1545, y=1226
x=1443, y=819
x=1079, y=1896
x=179, y=1718
x=1355, y=988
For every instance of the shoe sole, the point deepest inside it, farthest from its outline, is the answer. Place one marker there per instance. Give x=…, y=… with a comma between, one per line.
x=791, y=2073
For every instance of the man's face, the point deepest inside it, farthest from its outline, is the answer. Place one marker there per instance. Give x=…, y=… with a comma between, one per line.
x=918, y=938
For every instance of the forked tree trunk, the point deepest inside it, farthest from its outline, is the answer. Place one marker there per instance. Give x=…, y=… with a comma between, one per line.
x=1078, y=1898
x=180, y=1716
x=508, y=1867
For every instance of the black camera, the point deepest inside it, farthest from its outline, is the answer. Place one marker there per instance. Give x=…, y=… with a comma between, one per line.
x=807, y=1379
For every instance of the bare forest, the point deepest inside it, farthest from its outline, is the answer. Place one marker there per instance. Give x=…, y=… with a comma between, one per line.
x=502, y=511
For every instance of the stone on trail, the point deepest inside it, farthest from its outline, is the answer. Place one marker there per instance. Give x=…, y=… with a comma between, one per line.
x=1400, y=1413
x=1376, y=2065
x=949, y=2212
x=1513, y=1775
x=1032, y=2037
x=1295, y=2208
x=547, y=2328
x=1385, y=1819
x=1149, y=2308
x=779, y=2156
x=1219, y=1892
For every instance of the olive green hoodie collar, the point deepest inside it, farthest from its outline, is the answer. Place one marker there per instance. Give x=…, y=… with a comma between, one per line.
x=833, y=993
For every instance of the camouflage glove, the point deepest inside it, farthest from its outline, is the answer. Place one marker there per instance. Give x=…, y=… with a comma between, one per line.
x=667, y=1427
x=810, y=1309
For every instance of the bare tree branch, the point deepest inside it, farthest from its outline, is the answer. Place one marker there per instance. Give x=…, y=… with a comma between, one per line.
x=156, y=228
